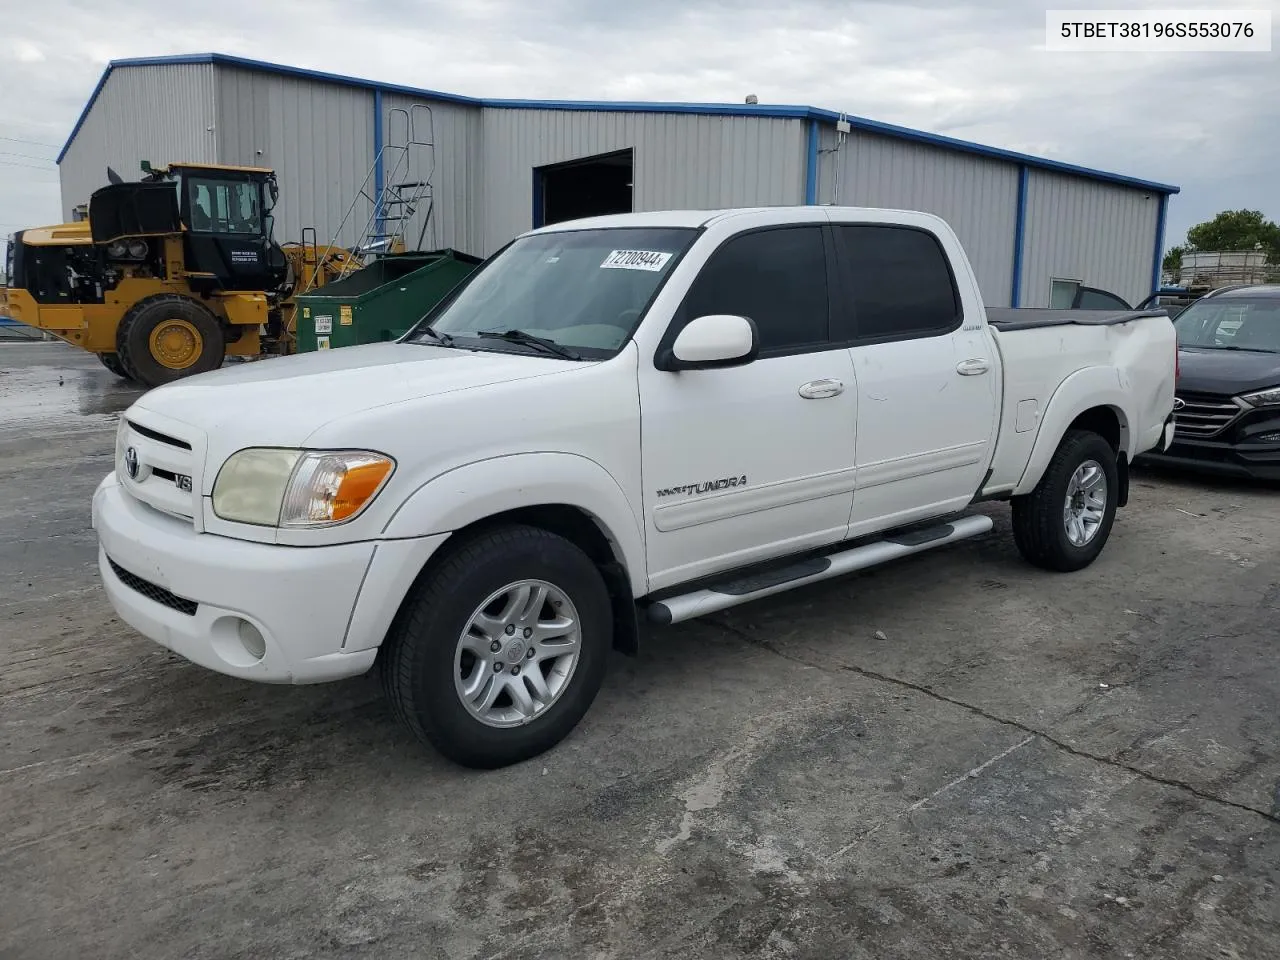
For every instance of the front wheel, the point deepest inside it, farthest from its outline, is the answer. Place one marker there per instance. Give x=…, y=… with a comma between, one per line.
x=166, y=337
x=1065, y=521
x=501, y=648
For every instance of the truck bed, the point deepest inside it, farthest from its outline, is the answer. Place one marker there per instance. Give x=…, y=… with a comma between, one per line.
x=1008, y=319
x=1040, y=349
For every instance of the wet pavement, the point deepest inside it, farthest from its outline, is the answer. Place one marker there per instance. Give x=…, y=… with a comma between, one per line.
x=955, y=756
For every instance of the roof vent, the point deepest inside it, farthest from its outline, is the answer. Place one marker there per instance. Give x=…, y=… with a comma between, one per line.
x=752, y=98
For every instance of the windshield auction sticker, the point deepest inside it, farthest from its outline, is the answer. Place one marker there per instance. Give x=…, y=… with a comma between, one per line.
x=635, y=260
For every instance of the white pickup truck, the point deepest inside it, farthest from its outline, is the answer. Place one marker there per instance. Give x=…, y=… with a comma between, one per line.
x=659, y=415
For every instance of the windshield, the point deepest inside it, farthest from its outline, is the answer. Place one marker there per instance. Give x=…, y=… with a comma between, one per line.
x=224, y=206
x=583, y=289
x=1237, y=323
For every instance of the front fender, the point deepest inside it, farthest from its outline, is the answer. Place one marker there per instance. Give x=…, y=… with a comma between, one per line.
x=1081, y=391
x=476, y=491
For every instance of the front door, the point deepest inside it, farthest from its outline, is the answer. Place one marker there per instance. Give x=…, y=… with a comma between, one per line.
x=756, y=461
x=928, y=392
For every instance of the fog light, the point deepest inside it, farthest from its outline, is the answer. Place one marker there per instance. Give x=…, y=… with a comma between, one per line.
x=237, y=642
x=1267, y=438
x=255, y=644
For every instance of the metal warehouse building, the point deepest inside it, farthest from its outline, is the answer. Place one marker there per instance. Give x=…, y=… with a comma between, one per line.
x=1033, y=227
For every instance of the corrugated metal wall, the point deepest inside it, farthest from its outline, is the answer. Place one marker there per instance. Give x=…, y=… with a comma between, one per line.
x=1098, y=233
x=159, y=113
x=453, y=169
x=977, y=196
x=682, y=160
x=317, y=136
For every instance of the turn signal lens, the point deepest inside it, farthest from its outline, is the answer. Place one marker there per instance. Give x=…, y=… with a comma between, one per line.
x=331, y=487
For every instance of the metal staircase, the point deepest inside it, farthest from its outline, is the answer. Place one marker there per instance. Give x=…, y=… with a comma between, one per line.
x=407, y=161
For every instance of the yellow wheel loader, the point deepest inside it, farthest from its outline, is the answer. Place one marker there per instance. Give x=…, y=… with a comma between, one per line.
x=169, y=274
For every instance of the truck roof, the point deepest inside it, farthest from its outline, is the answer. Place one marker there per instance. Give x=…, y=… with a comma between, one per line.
x=702, y=218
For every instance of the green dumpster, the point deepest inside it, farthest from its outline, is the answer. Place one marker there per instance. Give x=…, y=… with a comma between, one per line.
x=381, y=301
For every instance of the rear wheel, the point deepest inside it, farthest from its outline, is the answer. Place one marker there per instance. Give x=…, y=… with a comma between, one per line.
x=167, y=337
x=500, y=650
x=1064, y=523
x=112, y=362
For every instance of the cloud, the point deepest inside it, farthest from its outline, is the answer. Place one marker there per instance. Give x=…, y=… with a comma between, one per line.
x=974, y=69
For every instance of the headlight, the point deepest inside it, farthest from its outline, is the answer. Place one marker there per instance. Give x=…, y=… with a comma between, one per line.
x=298, y=488
x=1263, y=398
x=117, y=249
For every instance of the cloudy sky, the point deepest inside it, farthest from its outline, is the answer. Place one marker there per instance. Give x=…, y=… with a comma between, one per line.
x=974, y=69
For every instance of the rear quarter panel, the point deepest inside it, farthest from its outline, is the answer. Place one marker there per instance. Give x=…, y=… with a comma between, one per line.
x=1054, y=374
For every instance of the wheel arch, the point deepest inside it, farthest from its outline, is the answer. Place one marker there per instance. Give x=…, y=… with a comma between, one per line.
x=565, y=494
x=1090, y=399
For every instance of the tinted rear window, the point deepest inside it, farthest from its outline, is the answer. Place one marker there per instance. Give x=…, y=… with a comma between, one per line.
x=901, y=282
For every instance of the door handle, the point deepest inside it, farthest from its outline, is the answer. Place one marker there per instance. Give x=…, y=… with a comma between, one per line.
x=972, y=368
x=821, y=389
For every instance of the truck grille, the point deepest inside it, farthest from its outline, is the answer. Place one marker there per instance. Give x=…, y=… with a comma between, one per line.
x=1204, y=415
x=153, y=591
x=159, y=468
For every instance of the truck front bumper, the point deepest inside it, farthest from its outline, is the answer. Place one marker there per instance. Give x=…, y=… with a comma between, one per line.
x=263, y=612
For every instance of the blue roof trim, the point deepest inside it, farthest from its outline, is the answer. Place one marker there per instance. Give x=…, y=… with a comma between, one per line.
x=793, y=112
x=778, y=111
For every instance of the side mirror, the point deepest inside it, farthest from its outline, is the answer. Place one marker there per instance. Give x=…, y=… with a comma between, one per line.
x=715, y=340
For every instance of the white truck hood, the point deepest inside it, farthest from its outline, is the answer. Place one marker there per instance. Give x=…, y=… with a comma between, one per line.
x=283, y=400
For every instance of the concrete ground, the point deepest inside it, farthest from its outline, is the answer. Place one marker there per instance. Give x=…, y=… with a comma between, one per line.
x=958, y=756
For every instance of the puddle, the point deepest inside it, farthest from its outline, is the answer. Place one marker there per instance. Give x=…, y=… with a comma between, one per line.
x=42, y=387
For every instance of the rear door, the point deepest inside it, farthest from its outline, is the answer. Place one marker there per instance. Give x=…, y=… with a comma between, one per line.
x=750, y=462
x=928, y=391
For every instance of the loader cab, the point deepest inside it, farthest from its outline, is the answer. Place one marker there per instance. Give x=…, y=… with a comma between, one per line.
x=228, y=242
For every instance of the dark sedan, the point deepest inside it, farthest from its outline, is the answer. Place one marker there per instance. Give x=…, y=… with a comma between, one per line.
x=1227, y=406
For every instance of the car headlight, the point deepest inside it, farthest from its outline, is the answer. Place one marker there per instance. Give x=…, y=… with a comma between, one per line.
x=298, y=488
x=1263, y=398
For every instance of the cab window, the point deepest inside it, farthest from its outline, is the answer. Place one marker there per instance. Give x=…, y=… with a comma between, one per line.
x=778, y=278
x=224, y=206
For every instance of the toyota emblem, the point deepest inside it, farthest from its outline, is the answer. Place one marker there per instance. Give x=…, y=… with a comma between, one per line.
x=131, y=463
x=1179, y=403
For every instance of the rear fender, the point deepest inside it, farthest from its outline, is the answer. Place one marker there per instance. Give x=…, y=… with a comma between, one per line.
x=1081, y=391
x=477, y=491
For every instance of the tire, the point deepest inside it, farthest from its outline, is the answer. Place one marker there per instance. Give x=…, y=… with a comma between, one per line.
x=1041, y=526
x=201, y=345
x=112, y=362
x=426, y=672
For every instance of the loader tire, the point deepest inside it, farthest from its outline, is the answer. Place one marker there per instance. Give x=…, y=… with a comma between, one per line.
x=168, y=337
x=112, y=362
x=1063, y=524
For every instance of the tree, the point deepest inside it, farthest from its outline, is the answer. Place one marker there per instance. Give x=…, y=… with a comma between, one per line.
x=1237, y=230
x=1173, y=260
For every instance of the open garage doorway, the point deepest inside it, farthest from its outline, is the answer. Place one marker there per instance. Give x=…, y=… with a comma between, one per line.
x=588, y=187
